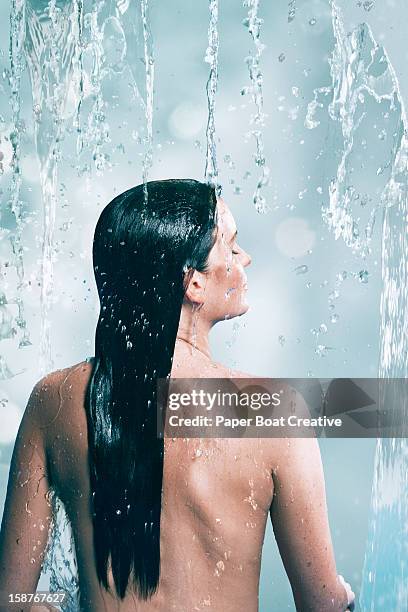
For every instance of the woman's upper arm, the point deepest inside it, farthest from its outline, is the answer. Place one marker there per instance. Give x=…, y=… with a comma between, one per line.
x=300, y=523
x=27, y=510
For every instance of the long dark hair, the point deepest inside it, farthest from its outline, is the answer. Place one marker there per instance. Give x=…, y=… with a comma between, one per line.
x=145, y=241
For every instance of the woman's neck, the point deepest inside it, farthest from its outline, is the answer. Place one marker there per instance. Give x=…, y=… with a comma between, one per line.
x=194, y=330
x=196, y=346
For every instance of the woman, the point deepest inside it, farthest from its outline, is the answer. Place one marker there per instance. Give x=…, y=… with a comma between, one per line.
x=173, y=524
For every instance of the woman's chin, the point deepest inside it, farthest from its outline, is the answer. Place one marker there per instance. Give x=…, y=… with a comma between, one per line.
x=244, y=305
x=245, y=308
x=238, y=312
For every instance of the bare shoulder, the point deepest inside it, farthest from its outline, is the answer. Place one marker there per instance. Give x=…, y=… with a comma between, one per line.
x=55, y=389
x=288, y=454
x=226, y=372
x=240, y=374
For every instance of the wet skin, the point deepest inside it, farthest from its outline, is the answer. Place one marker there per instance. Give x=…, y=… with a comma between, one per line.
x=217, y=493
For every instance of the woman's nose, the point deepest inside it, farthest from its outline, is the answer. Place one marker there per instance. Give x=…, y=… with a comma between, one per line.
x=247, y=259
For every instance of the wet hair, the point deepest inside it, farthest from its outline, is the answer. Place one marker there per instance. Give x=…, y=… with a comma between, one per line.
x=145, y=240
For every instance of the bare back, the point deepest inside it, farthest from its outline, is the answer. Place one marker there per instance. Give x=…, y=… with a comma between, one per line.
x=217, y=494
x=216, y=498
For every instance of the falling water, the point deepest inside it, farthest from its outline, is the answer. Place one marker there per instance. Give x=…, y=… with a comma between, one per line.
x=149, y=68
x=52, y=46
x=70, y=48
x=50, y=31
x=97, y=128
x=211, y=57
x=17, y=31
x=253, y=22
x=78, y=74
x=116, y=42
x=54, y=41
x=361, y=68
x=291, y=10
x=60, y=559
x=385, y=585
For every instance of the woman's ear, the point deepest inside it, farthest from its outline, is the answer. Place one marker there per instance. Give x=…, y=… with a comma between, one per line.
x=195, y=286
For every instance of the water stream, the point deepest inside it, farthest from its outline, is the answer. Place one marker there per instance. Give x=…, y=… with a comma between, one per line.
x=51, y=44
x=211, y=57
x=361, y=70
x=70, y=47
x=253, y=22
x=16, y=50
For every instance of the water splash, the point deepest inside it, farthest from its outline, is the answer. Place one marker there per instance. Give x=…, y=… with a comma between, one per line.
x=78, y=74
x=386, y=562
x=48, y=31
x=69, y=54
x=16, y=49
x=149, y=68
x=211, y=58
x=96, y=131
x=361, y=71
x=291, y=10
x=60, y=556
x=116, y=41
x=253, y=22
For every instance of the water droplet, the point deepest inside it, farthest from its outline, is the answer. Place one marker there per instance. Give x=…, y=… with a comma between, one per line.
x=368, y=5
x=363, y=276
x=228, y=292
x=312, y=21
x=333, y=295
x=322, y=350
x=228, y=160
x=301, y=269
